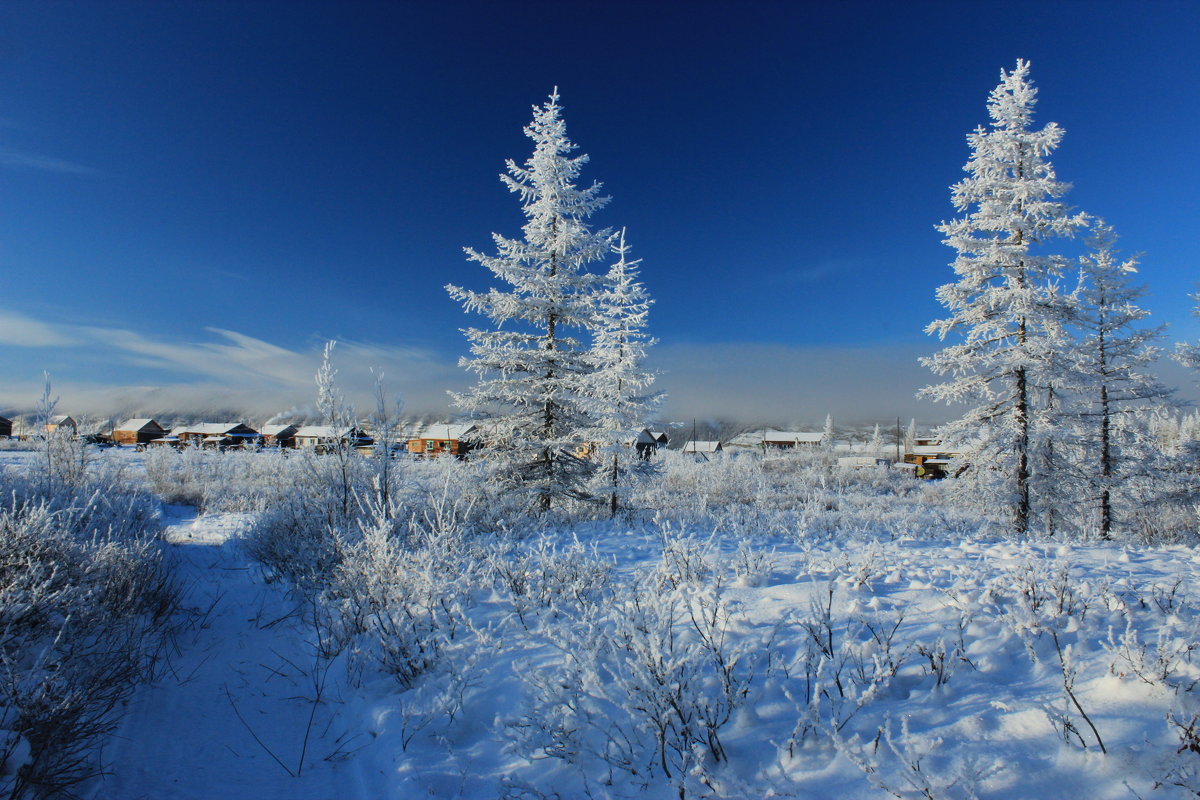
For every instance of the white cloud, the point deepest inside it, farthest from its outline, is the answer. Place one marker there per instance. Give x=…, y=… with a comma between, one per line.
x=232, y=371
x=17, y=160
x=21, y=331
x=747, y=382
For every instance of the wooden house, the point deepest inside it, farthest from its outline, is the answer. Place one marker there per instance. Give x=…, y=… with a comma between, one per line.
x=781, y=440
x=862, y=462
x=218, y=435
x=5, y=427
x=702, y=450
x=320, y=438
x=444, y=438
x=138, y=431
x=276, y=435
x=790, y=439
x=930, y=457
x=646, y=443
x=62, y=423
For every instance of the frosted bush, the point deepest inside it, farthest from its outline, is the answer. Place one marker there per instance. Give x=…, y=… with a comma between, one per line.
x=84, y=605
x=644, y=685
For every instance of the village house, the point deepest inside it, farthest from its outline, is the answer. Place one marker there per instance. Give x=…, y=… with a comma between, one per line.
x=277, y=435
x=930, y=457
x=785, y=440
x=138, y=431
x=218, y=435
x=5, y=427
x=702, y=450
x=647, y=442
x=456, y=439
x=62, y=422
x=320, y=438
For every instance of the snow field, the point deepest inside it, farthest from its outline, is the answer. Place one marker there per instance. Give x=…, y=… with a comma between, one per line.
x=645, y=662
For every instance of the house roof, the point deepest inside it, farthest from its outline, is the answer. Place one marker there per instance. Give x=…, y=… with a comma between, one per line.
x=275, y=430
x=60, y=419
x=326, y=432
x=756, y=438
x=447, y=430
x=211, y=428
x=660, y=436
x=136, y=424
x=702, y=447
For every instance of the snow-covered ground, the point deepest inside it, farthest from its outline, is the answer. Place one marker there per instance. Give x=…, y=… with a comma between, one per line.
x=864, y=670
x=236, y=691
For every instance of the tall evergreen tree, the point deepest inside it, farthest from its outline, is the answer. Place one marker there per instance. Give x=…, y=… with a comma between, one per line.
x=1109, y=366
x=532, y=367
x=620, y=382
x=1005, y=307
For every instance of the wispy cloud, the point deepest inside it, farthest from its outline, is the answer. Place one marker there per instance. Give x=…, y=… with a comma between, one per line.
x=17, y=329
x=230, y=370
x=14, y=159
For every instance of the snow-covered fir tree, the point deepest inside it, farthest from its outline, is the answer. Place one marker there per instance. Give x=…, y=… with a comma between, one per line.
x=620, y=382
x=533, y=369
x=1006, y=311
x=1110, y=374
x=875, y=445
x=827, y=434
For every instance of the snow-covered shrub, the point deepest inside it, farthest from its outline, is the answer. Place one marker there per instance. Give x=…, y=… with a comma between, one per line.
x=403, y=593
x=541, y=574
x=84, y=604
x=644, y=685
x=231, y=481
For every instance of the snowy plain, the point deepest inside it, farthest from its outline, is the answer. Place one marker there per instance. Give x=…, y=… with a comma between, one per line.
x=764, y=628
x=844, y=658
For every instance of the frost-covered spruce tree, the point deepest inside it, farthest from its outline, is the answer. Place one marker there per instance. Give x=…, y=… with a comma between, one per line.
x=620, y=382
x=1005, y=308
x=1110, y=377
x=532, y=368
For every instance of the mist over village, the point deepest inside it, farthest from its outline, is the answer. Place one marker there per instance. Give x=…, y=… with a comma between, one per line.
x=604, y=400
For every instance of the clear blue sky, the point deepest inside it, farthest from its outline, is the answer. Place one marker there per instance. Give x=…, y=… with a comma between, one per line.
x=194, y=196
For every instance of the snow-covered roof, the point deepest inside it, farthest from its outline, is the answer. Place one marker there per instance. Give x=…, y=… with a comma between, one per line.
x=660, y=436
x=135, y=424
x=61, y=419
x=757, y=438
x=274, y=429
x=208, y=428
x=644, y=436
x=447, y=430
x=702, y=447
x=326, y=432
x=861, y=461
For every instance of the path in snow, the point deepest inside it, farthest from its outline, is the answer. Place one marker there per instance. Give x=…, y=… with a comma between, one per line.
x=243, y=651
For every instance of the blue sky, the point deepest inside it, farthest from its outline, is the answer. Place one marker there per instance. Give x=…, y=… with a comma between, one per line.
x=195, y=196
